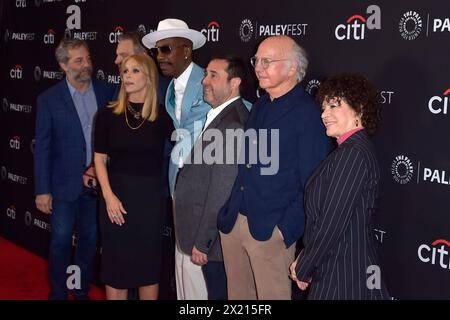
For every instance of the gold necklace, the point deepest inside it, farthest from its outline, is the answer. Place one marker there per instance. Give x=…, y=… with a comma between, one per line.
x=136, y=114
x=128, y=124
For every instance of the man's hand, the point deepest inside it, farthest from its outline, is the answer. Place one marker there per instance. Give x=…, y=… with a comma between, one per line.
x=44, y=203
x=198, y=257
x=89, y=174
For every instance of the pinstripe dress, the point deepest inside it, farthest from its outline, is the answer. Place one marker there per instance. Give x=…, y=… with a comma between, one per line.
x=340, y=199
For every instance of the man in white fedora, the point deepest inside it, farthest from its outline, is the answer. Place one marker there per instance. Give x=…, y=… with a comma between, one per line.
x=172, y=45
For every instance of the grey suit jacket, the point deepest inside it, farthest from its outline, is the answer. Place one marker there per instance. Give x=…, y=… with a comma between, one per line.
x=202, y=189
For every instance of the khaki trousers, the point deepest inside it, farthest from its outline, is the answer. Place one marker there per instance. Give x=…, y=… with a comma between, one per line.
x=256, y=269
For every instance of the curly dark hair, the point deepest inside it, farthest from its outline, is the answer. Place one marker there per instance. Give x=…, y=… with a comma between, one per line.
x=358, y=93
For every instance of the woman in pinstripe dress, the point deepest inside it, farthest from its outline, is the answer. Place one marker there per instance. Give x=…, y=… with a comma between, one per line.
x=339, y=259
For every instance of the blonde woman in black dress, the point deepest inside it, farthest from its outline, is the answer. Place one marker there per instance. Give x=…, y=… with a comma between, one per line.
x=129, y=140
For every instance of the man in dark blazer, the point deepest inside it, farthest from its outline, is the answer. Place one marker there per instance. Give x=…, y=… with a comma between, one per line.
x=203, y=186
x=264, y=216
x=63, y=155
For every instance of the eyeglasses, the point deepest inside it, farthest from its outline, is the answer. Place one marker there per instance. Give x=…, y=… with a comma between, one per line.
x=265, y=62
x=167, y=49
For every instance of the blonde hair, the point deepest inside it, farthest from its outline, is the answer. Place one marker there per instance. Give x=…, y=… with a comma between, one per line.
x=148, y=67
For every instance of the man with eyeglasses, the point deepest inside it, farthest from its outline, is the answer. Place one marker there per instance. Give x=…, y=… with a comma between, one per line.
x=172, y=45
x=264, y=217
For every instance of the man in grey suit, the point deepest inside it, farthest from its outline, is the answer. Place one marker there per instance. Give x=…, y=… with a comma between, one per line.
x=207, y=177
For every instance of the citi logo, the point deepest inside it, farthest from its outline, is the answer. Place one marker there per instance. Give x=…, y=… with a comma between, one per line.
x=410, y=25
x=435, y=254
x=114, y=36
x=402, y=169
x=21, y=3
x=11, y=212
x=14, y=143
x=355, y=27
x=49, y=37
x=16, y=72
x=211, y=32
x=439, y=104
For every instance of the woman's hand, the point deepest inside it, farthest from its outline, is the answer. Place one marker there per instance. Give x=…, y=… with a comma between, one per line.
x=115, y=209
x=293, y=275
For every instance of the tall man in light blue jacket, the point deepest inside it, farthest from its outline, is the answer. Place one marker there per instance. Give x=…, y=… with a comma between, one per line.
x=172, y=45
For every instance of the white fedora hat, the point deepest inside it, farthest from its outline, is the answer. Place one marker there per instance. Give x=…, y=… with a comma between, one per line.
x=174, y=28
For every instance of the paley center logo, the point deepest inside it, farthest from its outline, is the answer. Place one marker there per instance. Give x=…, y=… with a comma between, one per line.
x=355, y=26
x=410, y=25
x=45, y=74
x=114, y=36
x=5, y=105
x=439, y=104
x=111, y=78
x=13, y=177
x=49, y=37
x=211, y=32
x=16, y=72
x=18, y=36
x=16, y=107
x=312, y=86
x=402, y=169
x=247, y=29
x=435, y=254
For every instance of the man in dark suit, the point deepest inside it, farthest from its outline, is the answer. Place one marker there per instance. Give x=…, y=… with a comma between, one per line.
x=264, y=216
x=63, y=155
x=196, y=212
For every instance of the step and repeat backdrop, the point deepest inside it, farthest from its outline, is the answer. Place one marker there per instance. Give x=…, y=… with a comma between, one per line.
x=402, y=46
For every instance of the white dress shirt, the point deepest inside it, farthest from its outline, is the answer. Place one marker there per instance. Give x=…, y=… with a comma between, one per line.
x=179, y=87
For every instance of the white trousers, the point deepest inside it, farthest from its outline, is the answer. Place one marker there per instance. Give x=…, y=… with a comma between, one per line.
x=189, y=278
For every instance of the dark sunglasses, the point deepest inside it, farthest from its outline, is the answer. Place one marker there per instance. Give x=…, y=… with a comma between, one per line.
x=167, y=49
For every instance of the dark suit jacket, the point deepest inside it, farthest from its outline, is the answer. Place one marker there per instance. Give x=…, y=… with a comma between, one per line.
x=278, y=199
x=202, y=189
x=60, y=152
x=339, y=241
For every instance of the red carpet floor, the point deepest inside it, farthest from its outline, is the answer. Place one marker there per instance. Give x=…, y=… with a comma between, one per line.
x=23, y=275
